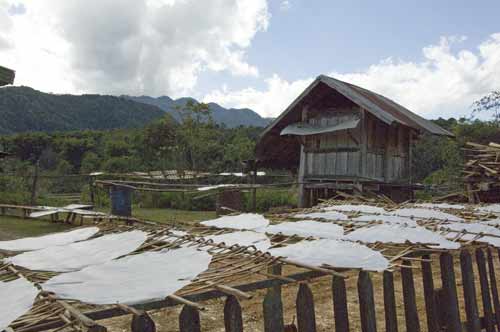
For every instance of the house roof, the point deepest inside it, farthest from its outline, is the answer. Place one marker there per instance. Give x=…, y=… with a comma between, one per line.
x=379, y=106
x=6, y=76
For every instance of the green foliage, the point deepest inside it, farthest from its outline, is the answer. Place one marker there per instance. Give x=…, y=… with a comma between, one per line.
x=271, y=198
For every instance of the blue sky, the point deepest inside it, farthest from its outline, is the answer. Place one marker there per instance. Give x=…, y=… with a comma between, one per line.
x=435, y=57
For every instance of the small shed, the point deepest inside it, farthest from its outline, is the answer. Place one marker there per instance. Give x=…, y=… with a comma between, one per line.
x=6, y=76
x=339, y=136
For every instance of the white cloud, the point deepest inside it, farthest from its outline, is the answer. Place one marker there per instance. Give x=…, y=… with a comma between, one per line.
x=131, y=46
x=285, y=5
x=444, y=84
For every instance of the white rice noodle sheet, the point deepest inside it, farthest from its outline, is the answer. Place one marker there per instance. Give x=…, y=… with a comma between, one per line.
x=217, y=187
x=16, y=298
x=133, y=279
x=243, y=238
x=440, y=206
x=363, y=208
x=75, y=256
x=421, y=213
x=248, y=221
x=386, y=219
x=490, y=208
x=57, y=239
x=475, y=228
x=78, y=206
x=492, y=222
x=307, y=228
x=401, y=234
x=335, y=253
x=327, y=215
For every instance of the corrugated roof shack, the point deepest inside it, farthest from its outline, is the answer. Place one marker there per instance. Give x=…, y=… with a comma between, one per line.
x=339, y=137
x=6, y=76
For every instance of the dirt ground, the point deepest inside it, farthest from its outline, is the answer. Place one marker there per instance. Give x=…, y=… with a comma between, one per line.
x=212, y=318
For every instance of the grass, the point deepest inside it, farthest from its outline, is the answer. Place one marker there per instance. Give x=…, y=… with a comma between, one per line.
x=171, y=216
x=13, y=227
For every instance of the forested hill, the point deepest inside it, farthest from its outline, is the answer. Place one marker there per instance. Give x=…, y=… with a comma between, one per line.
x=25, y=109
x=232, y=117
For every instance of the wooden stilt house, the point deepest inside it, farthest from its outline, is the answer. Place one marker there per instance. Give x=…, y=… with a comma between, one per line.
x=339, y=136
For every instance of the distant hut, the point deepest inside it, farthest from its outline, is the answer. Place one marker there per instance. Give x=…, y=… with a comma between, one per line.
x=6, y=76
x=339, y=136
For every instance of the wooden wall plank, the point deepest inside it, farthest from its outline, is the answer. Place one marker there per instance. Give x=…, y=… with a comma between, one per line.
x=430, y=304
x=470, y=300
x=485, y=290
x=410, y=303
x=189, y=320
x=391, y=320
x=452, y=313
x=233, y=321
x=366, y=303
x=306, y=318
x=340, y=311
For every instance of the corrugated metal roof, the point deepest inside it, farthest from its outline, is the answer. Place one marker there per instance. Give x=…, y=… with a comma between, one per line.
x=304, y=129
x=6, y=76
x=382, y=107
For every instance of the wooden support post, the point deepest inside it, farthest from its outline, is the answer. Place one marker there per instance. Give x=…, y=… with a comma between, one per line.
x=340, y=311
x=485, y=290
x=273, y=305
x=142, y=323
x=430, y=304
x=391, y=320
x=452, y=313
x=410, y=303
x=471, y=310
x=233, y=320
x=494, y=289
x=306, y=318
x=366, y=303
x=189, y=320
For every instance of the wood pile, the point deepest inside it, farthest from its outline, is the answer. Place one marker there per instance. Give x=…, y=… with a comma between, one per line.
x=482, y=172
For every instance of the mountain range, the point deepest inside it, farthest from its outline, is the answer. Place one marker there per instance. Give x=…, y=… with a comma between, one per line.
x=25, y=109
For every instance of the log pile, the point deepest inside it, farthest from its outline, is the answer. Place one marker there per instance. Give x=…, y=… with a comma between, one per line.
x=482, y=172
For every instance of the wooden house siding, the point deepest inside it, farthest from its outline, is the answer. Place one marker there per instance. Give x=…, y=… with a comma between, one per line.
x=341, y=154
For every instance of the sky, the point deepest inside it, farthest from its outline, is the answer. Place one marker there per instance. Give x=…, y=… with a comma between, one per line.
x=434, y=57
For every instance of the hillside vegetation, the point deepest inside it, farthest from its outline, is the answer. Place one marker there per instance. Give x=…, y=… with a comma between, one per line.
x=24, y=109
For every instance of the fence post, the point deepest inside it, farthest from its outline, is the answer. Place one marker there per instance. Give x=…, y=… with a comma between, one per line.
x=142, y=323
x=391, y=320
x=471, y=310
x=366, y=303
x=494, y=289
x=340, y=312
x=306, y=318
x=430, y=304
x=273, y=306
x=410, y=304
x=452, y=314
x=189, y=320
x=485, y=290
x=233, y=321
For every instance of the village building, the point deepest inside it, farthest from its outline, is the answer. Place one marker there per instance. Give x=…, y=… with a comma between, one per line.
x=338, y=136
x=6, y=76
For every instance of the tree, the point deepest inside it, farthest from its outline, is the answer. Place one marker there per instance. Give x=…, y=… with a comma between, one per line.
x=490, y=102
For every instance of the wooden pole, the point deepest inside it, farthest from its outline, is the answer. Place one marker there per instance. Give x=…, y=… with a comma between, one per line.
x=306, y=318
x=391, y=320
x=340, y=311
x=142, y=323
x=429, y=297
x=471, y=310
x=189, y=320
x=410, y=303
x=452, y=313
x=34, y=185
x=485, y=290
x=233, y=320
x=366, y=303
x=273, y=305
x=494, y=289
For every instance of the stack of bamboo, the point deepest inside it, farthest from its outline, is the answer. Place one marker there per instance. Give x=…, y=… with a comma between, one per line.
x=482, y=171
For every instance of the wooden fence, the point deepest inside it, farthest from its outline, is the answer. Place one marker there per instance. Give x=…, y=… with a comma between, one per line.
x=467, y=299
